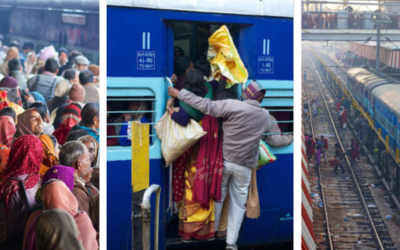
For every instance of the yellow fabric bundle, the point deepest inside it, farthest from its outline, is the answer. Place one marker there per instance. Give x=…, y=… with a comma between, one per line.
x=224, y=58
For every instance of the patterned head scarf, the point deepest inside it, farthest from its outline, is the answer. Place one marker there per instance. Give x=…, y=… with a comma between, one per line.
x=49, y=159
x=26, y=155
x=71, y=115
x=24, y=123
x=3, y=100
x=59, y=172
x=7, y=130
x=255, y=91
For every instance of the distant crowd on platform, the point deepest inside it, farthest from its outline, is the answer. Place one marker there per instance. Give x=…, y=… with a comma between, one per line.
x=49, y=148
x=354, y=20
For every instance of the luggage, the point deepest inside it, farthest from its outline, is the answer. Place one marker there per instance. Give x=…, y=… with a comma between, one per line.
x=265, y=156
x=176, y=139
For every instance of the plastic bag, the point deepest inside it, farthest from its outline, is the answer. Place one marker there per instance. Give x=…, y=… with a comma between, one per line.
x=176, y=139
x=265, y=156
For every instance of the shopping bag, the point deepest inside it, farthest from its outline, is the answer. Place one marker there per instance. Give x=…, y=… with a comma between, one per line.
x=176, y=139
x=265, y=156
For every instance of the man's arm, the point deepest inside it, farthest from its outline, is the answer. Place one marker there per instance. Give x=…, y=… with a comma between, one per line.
x=208, y=107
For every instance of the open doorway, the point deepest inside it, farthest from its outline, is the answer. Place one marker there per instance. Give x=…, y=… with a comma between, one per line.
x=191, y=38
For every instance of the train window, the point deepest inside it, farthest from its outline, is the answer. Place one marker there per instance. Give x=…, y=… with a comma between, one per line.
x=192, y=37
x=284, y=118
x=121, y=110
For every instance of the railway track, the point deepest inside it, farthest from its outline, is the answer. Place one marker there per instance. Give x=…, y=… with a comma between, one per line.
x=345, y=213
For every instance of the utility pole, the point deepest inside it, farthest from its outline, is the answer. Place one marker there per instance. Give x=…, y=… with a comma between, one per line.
x=378, y=45
x=378, y=22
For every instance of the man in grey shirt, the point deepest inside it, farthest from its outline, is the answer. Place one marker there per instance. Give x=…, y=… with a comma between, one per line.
x=244, y=123
x=14, y=65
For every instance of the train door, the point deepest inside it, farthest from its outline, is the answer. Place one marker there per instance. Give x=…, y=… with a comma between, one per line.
x=187, y=38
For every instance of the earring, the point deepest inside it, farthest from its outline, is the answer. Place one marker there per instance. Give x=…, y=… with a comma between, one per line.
x=94, y=123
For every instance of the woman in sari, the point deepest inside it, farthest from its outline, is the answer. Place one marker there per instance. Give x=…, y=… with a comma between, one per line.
x=7, y=130
x=59, y=172
x=25, y=158
x=182, y=65
x=56, y=194
x=70, y=117
x=197, y=181
x=51, y=152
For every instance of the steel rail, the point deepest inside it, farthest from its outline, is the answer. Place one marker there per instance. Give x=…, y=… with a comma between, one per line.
x=320, y=176
x=361, y=196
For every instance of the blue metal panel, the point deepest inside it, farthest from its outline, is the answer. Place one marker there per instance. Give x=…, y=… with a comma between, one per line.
x=119, y=205
x=125, y=39
x=276, y=202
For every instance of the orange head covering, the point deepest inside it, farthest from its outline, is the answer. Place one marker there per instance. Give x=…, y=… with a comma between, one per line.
x=49, y=159
x=57, y=195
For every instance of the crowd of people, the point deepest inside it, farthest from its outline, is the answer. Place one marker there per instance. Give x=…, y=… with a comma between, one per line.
x=49, y=144
x=316, y=148
x=353, y=20
x=225, y=158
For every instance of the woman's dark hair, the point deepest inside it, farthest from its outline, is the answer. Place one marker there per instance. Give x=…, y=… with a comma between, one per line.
x=204, y=66
x=42, y=108
x=180, y=50
x=76, y=134
x=90, y=111
x=181, y=64
x=194, y=82
x=8, y=111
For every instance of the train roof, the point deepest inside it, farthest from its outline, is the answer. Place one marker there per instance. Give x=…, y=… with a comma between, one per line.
x=278, y=8
x=366, y=78
x=388, y=95
x=62, y=5
x=385, y=90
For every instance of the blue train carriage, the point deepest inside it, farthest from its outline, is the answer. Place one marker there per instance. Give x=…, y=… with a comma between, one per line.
x=64, y=23
x=382, y=92
x=141, y=39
